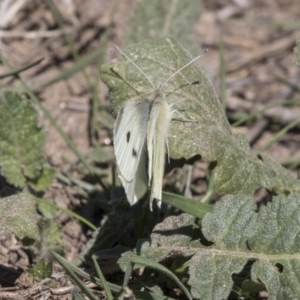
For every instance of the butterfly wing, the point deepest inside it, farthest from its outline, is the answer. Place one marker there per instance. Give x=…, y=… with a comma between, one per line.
x=130, y=135
x=136, y=188
x=157, y=135
x=129, y=143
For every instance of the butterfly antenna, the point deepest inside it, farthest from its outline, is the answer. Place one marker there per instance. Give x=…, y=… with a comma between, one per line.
x=125, y=55
x=178, y=71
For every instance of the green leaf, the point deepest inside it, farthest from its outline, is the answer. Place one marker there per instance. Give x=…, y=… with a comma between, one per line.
x=249, y=286
x=156, y=18
x=45, y=209
x=113, y=230
x=143, y=261
x=297, y=51
x=139, y=295
x=273, y=230
x=236, y=169
x=22, y=69
x=44, y=180
x=101, y=155
x=267, y=242
x=101, y=277
x=51, y=237
x=285, y=182
x=173, y=234
x=211, y=274
x=195, y=208
x=270, y=237
x=41, y=271
x=18, y=216
x=170, y=238
x=280, y=286
x=21, y=140
x=175, y=231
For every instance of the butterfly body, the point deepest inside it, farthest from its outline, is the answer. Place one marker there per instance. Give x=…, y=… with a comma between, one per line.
x=157, y=141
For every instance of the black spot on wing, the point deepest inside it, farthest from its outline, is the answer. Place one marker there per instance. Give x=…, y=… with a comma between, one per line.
x=128, y=137
x=134, y=153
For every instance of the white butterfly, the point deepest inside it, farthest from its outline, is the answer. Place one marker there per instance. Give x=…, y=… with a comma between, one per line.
x=141, y=134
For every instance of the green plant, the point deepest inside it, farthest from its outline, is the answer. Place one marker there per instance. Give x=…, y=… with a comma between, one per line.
x=247, y=242
x=232, y=250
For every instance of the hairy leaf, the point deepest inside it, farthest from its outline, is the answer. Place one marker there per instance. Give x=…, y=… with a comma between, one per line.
x=211, y=274
x=285, y=183
x=21, y=140
x=270, y=237
x=236, y=168
x=175, y=231
x=173, y=234
x=262, y=244
x=50, y=237
x=170, y=238
x=273, y=230
x=41, y=270
x=44, y=180
x=18, y=216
